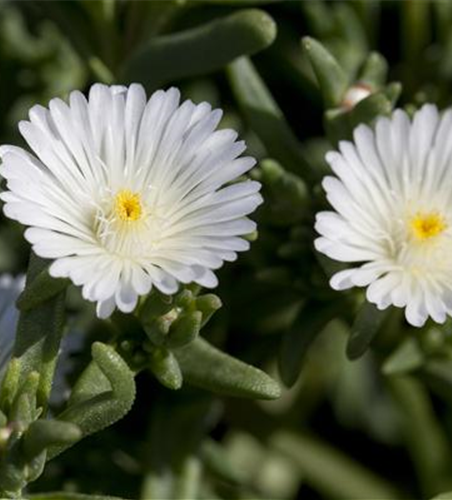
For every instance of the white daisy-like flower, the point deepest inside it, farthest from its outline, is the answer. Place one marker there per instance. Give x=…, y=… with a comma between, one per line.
x=126, y=194
x=393, y=213
x=10, y=289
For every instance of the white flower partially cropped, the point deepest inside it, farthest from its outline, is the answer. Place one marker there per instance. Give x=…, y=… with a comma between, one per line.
x=126, y=194
x=10, y=288
x=393, y=213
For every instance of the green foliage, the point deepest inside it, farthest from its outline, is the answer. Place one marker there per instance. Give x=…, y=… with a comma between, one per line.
x=200, y=50
x=174, y=400
x=205, y=366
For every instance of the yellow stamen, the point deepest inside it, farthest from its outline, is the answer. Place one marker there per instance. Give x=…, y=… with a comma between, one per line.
x=128, y=205
x=426, y=226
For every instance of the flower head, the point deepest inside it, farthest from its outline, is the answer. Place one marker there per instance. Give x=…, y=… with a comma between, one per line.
x=393, y=213
x=125, y=194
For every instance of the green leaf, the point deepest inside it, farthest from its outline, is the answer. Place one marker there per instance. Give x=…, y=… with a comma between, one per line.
x=73, y=22
x=337, y=125
x=350, y=27
x=367, y=324
x=24, y=408
x=288, y=189
x=296, y=341
x=443, y=496
x=240, y=2
x=188, y=479
x=217, y=460
x=92, y=406
x=424, y=437
x=370, y=108
x=374, y=71
x=184, y=329
x=407, y=357
x=392, y=91
x=70, y=496
x=438, y=375
x=207, y=304
x=331, y=78
x=330, y=472
x=42, y=434
x=39, y=334
x=165, y=367
x=200, y=50
x=415, y=30
x=206, y=366
x=10, y=384
x=265, y=117
x=43, y=288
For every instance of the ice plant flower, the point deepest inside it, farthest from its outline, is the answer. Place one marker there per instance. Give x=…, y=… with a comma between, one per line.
x=125, y=194
x=10, y=288
x=393, y=213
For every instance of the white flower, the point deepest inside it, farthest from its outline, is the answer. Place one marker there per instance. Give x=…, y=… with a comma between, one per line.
x=393, y=213
x=10, y=289
x=126, y=194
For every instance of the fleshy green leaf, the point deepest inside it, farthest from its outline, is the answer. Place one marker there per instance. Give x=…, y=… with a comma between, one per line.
x=39, y=334
x=44, y=433
x=165, y=367
x=438, y=374
x=329, y=471
x=185, y=329
x=206, y=366
x=332, y=80
x=92, y=405
x=70, y=496
x=366, y=326
x=207, y=304
x=370, y=108
x=297, y=340
x=43, y=288
x=200, y=50
x=218, y=461
x=374, y=71
x=407, y=357
x=265, y=117
x=424, y=437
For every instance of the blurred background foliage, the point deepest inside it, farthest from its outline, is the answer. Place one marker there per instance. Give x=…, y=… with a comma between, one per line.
x=293, y=77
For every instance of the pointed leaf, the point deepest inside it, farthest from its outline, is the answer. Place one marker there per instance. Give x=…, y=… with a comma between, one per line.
x=296, y=341
x=207, y=304
x=184, y=329
x=165, y=367
x=374, y=71
x=206, y=366
x=366, y=326
x=69, y=496
x=424, y=437
x=265, y=117
x=407, y=357
x=370, y=108
x=39, y=334
x=331, y=78
x=43, y=288
x=329, y=471
x=438, y=375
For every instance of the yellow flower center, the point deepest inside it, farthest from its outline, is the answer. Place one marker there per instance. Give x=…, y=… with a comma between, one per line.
x=426, y=226
x=128, y=206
